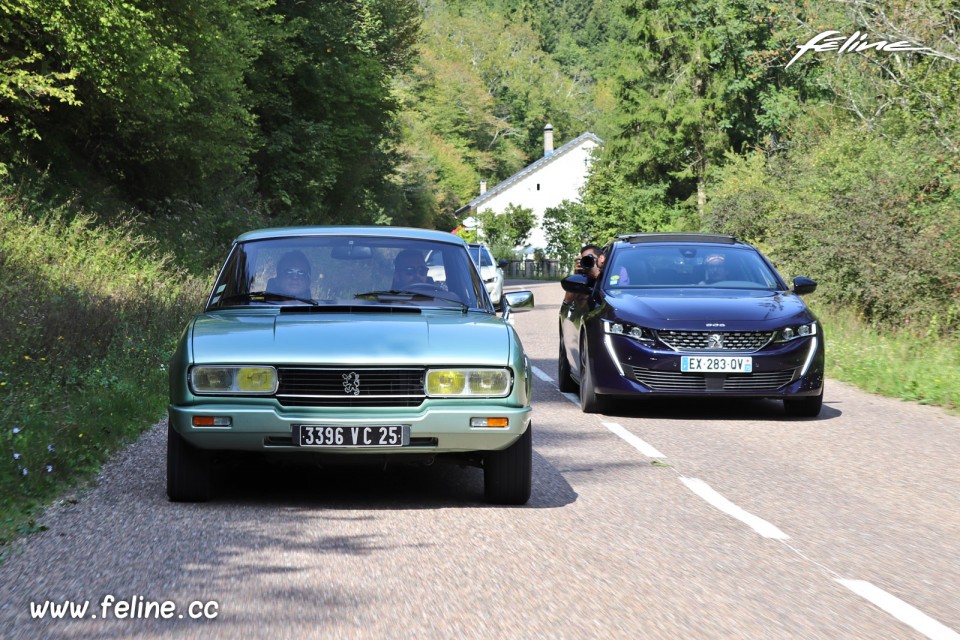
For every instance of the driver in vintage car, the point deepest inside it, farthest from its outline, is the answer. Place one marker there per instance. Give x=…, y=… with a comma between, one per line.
x=409, y=268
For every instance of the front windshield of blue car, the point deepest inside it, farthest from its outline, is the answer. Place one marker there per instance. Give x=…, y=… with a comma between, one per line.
x=348, y=270
x=702, y=266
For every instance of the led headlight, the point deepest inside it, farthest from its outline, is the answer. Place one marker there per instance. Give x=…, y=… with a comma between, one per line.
x=486, y=383
x=233, y=380
x=626, y=329
x=799, y=331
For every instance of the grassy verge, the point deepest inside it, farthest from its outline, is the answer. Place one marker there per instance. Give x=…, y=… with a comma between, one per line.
x=914, y=364
x=89, y=318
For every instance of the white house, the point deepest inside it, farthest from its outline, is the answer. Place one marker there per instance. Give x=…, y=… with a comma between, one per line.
x=557, y=176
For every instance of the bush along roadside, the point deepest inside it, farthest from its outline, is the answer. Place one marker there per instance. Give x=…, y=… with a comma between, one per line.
x=89, y=321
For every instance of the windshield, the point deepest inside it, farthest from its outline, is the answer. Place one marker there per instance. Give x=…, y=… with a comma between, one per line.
x=347, y=270
x=638, y=266
x=481, y=256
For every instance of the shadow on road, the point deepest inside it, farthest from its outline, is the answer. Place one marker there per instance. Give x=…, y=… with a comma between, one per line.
x=255, y=479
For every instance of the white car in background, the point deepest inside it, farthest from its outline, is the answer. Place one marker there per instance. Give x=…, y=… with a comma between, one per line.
x=491, y=272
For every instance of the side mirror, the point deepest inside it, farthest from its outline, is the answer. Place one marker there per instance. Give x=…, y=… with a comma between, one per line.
x=803, y=286
x=516, y=301
x=577, y=283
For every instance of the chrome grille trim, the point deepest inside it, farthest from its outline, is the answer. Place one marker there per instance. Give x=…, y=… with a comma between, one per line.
x=766, y=381
x=679, y=381
x=701, y=341
x=323, y=387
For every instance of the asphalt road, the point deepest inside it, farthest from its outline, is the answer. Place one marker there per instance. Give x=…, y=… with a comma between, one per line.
x=665, y=520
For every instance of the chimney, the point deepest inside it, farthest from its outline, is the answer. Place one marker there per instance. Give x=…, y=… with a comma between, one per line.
x=483, y=187
x=548, y=140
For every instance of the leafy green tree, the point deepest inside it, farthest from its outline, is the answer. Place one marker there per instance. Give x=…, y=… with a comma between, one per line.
x=693, y=83
x=508, y=229
x=158, y=102
x=560, y=227
x=475, y=104
x=322, y=90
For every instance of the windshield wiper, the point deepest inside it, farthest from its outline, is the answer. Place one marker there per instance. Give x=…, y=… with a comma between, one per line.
x=265, y=296
x=402, y=295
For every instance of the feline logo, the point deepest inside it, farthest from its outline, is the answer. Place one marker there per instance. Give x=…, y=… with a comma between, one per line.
x=351, y=383
x=831, y=41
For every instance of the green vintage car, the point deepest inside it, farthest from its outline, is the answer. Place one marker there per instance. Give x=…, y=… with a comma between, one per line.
x=333, y=342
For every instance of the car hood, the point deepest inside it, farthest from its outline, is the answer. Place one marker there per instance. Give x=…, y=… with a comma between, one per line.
x=739, y=309
x=350, y=339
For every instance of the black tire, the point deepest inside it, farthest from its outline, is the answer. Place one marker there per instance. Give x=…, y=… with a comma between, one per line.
x=565, y=382
x=590, y=400
x=508, y=474
x=188, y=470
x=806, y=407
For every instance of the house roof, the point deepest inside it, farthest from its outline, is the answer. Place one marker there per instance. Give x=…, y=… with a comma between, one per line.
x=529, y=169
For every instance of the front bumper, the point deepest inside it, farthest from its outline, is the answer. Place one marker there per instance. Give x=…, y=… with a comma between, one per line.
x=439, y=428
x=624, y=366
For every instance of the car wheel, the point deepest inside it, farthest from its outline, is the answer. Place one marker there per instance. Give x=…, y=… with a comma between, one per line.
x=565, y=383
x=807, y=407
x=590, y=400
x=188, y=470
x=507, y=474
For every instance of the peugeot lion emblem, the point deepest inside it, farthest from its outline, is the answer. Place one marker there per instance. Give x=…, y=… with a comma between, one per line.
x=715, y=341
x=351, y=383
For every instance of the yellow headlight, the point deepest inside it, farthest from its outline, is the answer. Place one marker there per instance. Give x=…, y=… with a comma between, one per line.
x=446, y=382
x=256, y=379
x=487, y=383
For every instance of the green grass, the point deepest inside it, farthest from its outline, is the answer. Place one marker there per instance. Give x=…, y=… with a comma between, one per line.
x=912, y=363
x=90, y=318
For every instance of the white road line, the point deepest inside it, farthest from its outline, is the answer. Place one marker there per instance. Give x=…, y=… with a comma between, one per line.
x=634, y=441
x=759, y=525
x=900, y=610
x=540, y=374
x=571, y=397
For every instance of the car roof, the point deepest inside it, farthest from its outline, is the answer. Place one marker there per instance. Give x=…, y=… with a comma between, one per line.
x=344, y=230
x=706, y=238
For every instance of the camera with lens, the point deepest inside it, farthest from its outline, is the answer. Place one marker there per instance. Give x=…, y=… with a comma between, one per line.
x=588, y=262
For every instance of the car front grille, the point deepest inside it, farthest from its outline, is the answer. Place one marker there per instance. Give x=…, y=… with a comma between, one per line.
x=678, y=381
x=342, y=387
x=716, y=341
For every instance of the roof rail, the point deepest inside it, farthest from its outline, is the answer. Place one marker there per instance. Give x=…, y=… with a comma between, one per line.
x=635, y=238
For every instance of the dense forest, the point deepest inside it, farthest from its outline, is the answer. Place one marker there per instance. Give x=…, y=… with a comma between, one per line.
x=138, y=137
